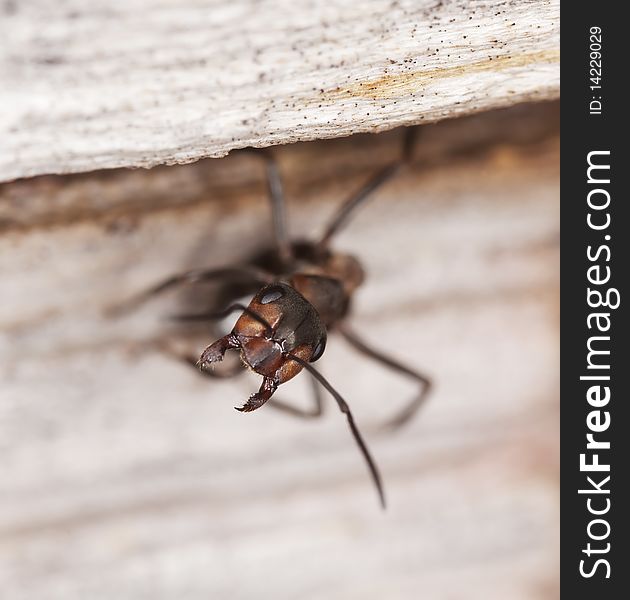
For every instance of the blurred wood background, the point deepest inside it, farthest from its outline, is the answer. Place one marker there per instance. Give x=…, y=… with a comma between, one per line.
x=126, y=475
x=143, y=82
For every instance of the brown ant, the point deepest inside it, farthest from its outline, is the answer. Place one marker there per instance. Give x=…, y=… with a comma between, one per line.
x=304, y=292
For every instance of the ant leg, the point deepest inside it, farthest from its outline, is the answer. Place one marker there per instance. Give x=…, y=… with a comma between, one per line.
x=316, y=411
x=247, y=273
x=351, y=204
x=278, y=209
x=425, y=383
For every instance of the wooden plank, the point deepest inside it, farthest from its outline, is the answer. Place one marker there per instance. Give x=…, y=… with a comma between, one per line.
x=126, y=475
x=140, y=83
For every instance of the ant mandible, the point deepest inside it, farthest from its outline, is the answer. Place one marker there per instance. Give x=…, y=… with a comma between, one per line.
x=305, y=289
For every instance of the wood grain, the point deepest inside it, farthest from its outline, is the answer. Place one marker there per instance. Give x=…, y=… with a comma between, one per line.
x=138, y=83
x=126, y=475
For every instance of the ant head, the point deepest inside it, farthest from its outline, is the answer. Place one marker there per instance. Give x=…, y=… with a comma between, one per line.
x=279, y=321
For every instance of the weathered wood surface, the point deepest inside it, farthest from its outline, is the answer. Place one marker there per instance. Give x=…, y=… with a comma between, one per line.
x=140, y=83
x=126, y=475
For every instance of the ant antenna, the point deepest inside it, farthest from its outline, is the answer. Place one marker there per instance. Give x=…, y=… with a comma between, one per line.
x=343, y=406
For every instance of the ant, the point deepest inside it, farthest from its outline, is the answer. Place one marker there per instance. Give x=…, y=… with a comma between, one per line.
x=304, y=292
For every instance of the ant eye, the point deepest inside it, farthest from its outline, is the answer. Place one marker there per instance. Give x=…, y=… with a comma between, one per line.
x=319, y=350
x=271, y=295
